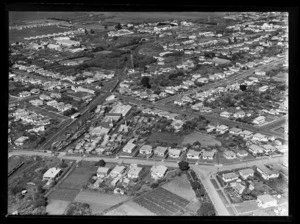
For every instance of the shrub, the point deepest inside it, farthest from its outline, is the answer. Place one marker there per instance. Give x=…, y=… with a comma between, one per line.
x=39, y=201
x=154, y=185
x=206, y=209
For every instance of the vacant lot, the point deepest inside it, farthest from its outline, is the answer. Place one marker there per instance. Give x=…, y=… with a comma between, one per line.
x=205, y=140
x=165, y=137
x=63, y=194
x=181, y=187
x=247, y=206
x=56, y=207
x=99, y=201
x=162, y=202
x=130, y=208
x=78, y=177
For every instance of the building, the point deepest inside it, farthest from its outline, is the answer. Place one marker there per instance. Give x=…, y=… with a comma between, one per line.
x=255, y=149
x=134, y=171
x=120, y=109
x=129, y=147
x=208, y=154
x=239, y=114
x=235, y=131
x=160, y=151
x=227, y=177
x=242, y=153
x=246, y=134
x=68, y=43
x=159, y=171
x=266, y=201
x=102, y=172
x=225, y=114
x=238, y=187
x=174, y=153
x=222, y=129
x=263, y=88
x=259, y=137
x=192, y=154
x=245, y=173
x=117, y=171
x=229, y=154
x=266, y=173
x=259, y=120
x=146, y=150
x=20, y=141
x=268, y=148
x=51, y=174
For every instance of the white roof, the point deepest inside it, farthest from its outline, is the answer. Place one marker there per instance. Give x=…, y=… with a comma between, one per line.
x=118, y=169
x=159, y=169
x=102, y=170
x=52, y=172
x=146, y=148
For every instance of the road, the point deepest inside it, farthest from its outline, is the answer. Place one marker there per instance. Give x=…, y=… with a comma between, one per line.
x=231, y=79
x=203, y=171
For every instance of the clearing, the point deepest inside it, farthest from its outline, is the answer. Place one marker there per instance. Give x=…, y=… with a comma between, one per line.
x=57, y=207
x=99, y=201
x=165, y=137
x=205, y=140
x=181, y=187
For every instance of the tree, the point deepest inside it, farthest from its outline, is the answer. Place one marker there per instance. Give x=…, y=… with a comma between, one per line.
x=118, y=26
x=206, y=209
x=105, y=27
x=183, y=165
x=145, y=82
x=92, y=31
x=63, y=164
x=100, y=163
x=243, y=87
x=40, y=201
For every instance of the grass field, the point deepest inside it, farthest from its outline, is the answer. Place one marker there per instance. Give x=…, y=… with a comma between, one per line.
x=165, y=137
x=57, y=207
x=63, y=194
x=247, y=206
x=99, y=201
x=224, y=200
x=130, y=208
x=214, y=182
x=179, y=185
x=205, y=140
x=162, y=202
x=13, y=161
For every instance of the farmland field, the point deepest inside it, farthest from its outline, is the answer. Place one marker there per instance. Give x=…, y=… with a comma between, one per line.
x=162, y=202
x=179, y=185
x=205, y=140
x=57, y=207
x=99, y=201
x=130, y=208
x=165, y=137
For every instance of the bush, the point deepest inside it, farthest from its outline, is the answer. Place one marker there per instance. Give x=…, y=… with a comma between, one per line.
x=206, y=209
x=40, y=201
x=183, y=165
x=16, y=189
x=154, y=185
x=100, y=163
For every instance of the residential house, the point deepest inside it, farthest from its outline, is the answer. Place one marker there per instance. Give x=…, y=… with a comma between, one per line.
x=117, y=171
x=174, y=153
x=36, y=102
x=229, y=154
x=192, y=154
x=210, y=128
x=102, y=172
x=242, y=153
x=259, y=137
x=268, y=148
x=115, y=180
x=225, y=114
x=235, y=131
x=266, y=173
x=246, y=134
x=129, y=147
x=238, y=187
x=160, y=151
x=263, y=88
x=146, y=150
x=222, y=129
x=35, y=91
x=255, y=149
x=159, y=171
x=239, y=114
x=227, y=177
x=20, y=141
x=25, y=94
x=245, y=173
x=134, y=171
x=266, y=201
x=51, y=174
x=259, y=120
x=208, y=154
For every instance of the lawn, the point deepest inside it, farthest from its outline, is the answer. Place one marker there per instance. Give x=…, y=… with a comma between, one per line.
x=165, y=137
x=63, y=194
x=214, y=182
x=130, y=208
x=223, y=198
x=247, y=206
x=99, y=201
x=179, y=185
x=205, y=140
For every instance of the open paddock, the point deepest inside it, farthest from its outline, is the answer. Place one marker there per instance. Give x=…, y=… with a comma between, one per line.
x=205, y=140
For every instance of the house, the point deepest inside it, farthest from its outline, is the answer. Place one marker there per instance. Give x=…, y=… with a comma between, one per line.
x=134, y=171
x=239, y=114
x=117, y=171
x=260, y=72
x=225, y=114
x=36, y=102
x=255, y=149
x=268, y=148
x=115, y=180
x=229, y=154
x=129, y=147
x=245, y=173
x=227, y=177
x=35, y=91
x=20, y=141
x=259, y=120
x=120, y=109
x=263, y=88
x=25, y=94
x=160, y=151
x=238, y=187
x=266, y=201
x=259, y=137
x=222, y=129
x=208, y=154
x=192, y=154
x=242, y=153
x=246, y=134
x=158, y=171
x=146, y=150
x=174, y=153
x=282, y=148
x=51, y=174
x=102, y=172
x=235, y=131
x=266, y=173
